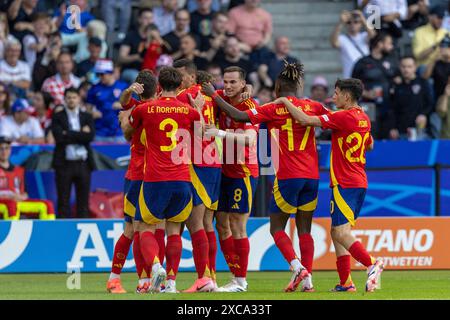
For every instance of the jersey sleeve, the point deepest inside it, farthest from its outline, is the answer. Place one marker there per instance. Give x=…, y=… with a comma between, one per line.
x=183, y=97
x=130, y=104
x=260, y=114
x=136, y=117
x=319, y=109
x=335, y=120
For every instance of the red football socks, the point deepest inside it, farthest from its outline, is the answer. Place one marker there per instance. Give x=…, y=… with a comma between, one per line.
x=141, y=268
x=284, y=244
x=242, y=248
x=212, y=242
x=344, y=269
x=200, y=251
x=227, y=247
x=159, y=235
x=360, y=254
x=307, y=250
x=173, y=255
x=120, y=253
x=149, y=248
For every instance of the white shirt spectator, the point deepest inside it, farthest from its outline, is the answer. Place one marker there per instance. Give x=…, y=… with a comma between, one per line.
x=10, y=74
x=446, y=21
x=75, y=151
x=12, y=130
x=389, y=7
x=164, y=20
x=10, y=37
x=352, y=49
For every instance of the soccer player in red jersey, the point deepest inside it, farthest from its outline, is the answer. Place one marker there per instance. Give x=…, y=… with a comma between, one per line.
x=350, y=139
x=297, y=170
x=166, y=191
x=239, y=177
x=145, y=88
x=205, y=176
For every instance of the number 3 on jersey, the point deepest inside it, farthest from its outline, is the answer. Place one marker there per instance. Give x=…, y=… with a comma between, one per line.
x=169, y=134
x=360, y=144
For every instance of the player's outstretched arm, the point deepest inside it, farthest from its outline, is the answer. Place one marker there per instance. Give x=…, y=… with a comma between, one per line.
x=125, y=97
x=127, y=129
x=231, y=111
x=298, y=113
x=248, y=138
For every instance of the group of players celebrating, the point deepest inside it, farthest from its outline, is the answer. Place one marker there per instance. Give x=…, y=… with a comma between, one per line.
x=194, y=158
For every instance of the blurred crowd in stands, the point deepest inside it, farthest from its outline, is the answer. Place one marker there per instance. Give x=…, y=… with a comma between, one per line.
x=47, y=46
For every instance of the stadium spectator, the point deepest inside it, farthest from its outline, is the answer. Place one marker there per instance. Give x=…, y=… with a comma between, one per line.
x=4, y=100
x=264, y=95
x=19, y=17
x=14, y=72
x=392, y=12
x=104, y=96
x=43, y=107
x=63, y=19
x=234, y=57
x=85, y=69
x=21, y=127
x=73, y=130
x=320, y=92
x=213, y=46
x=154, y=47
x=173, y=38
x=443, y=110
x=439, y=68
x=201, y=21
x=417, y=14
x=274, y=62
x=34, y=44
x=164, y=16
x=45, y=66
x=14, y=200
x=426, y=39
x=95, y=28
x=377, y=71
x=216, y=72
x=216, y=5
x=110, y=9
x=63, y=79
x=252, y=25
x=132, y=49
x=5, y=36
x=188, y=50
x=354, y=43
x=412, y=103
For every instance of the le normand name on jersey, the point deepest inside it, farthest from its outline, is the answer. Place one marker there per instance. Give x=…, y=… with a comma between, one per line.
x=159, y=109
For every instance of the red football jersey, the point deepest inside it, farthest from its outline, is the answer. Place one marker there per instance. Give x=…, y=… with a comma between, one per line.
x=12, y=180
x=167, y=129
x=137, y=149
x=238, y=165
x=204, y=150
x=297, y=153
x=349, y=140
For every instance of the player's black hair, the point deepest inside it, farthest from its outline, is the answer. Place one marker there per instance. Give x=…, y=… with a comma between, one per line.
x=71, y=90
x=379, y=37
x=189, y=65
x=291, y=77
x=148, y=80
x=242, y=73
x=170, y=78
x=204, y=77
x=409, y=56
x=352, y=86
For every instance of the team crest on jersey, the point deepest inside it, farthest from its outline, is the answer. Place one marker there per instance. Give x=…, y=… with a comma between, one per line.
x=416, y=88
x=307, y=108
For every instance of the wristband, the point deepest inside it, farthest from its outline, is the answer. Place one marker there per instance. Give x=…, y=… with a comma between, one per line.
x=214, y=95
x=222, y=134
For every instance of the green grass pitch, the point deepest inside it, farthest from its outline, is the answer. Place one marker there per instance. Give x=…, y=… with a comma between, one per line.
x=397, y=285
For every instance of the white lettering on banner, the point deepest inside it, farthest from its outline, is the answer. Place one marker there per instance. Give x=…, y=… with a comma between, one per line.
x=115, y=234
x=400, y=241
x=16, y=242
x=415, y=261
x=89, y=230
